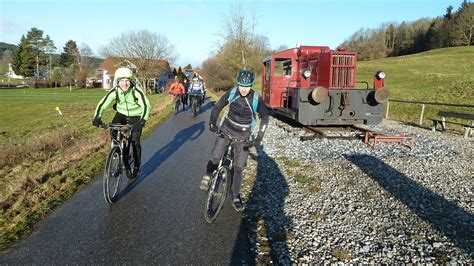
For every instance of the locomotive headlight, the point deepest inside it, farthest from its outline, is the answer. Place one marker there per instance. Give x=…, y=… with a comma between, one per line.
x=380, y=75
x=306, y=74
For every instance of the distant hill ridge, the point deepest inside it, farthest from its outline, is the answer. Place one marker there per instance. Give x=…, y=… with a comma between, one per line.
x=6, y=46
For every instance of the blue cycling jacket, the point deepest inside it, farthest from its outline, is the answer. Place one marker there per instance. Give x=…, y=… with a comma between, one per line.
x=196, y=88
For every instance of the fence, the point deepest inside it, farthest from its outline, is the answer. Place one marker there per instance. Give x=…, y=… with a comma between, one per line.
x=423, y=104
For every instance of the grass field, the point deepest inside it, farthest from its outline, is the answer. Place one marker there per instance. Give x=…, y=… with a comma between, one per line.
x=31, y=112
x=442, y=75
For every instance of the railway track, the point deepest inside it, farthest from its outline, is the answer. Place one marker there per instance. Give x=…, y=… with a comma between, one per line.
x=347, y=132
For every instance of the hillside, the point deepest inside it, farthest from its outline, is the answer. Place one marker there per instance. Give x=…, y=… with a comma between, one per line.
x=6, y=46
x=441, y=75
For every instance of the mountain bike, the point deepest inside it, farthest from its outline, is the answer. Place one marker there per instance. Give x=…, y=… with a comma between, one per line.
x=195, y=102
x=221, y=180
x=177, y=103
x=119, y=161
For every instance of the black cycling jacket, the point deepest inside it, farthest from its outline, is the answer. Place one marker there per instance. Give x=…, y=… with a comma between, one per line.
x=240, y=111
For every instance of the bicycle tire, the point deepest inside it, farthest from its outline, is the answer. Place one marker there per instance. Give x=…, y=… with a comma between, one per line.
x=112, y=175
x=217, y=193
x=194, y=107
x=176, y=106
x=130, y=161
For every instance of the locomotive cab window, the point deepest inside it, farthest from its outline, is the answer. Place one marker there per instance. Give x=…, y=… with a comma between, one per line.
x=267, y=70
x=282, y=66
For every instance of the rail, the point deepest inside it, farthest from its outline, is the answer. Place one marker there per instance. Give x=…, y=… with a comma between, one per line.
x=423, y=104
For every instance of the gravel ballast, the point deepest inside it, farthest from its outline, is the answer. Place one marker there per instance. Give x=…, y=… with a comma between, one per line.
x=331, y=201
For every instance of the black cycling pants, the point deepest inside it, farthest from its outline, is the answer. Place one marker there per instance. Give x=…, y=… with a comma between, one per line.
x=137, y=132
x=241, y=154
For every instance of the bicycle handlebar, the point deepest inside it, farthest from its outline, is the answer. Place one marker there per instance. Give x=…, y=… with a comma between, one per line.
x=233, y=139
x=117, y=126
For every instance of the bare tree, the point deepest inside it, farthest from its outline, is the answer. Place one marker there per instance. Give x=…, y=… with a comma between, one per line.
x=241, y=47
x=84, y=57
x=463, y=28
x=281, y=47
x=145, y=50
x=216, y=74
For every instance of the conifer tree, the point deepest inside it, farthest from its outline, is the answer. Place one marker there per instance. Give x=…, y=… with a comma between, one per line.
x=69, y=55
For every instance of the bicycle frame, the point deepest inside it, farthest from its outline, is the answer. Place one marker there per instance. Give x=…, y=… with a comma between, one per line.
x=123, y=139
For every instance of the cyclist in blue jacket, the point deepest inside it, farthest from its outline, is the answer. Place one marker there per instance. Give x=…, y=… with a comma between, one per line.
x=196, y=89
x=238, y=123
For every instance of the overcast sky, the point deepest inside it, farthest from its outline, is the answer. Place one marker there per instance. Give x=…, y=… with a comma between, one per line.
x=193, y=26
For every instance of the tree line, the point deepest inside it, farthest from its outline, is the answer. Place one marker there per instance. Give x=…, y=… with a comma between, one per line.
x=454, y=28
x=35, y=57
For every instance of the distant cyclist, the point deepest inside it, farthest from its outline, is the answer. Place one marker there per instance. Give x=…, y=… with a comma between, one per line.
x=244, y=105
x=132, y=107
x=177, y=89
x=196, y=89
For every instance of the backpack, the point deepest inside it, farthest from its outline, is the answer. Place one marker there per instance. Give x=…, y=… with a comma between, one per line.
x=117, y=97
x=233, y=96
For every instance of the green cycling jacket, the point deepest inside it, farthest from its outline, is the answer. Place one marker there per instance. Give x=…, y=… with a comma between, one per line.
x=133, y=102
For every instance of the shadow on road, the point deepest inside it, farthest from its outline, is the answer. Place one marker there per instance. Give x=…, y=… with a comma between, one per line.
x=187, y=134
x=264, y=220
x=447, y=217
x=206, y=106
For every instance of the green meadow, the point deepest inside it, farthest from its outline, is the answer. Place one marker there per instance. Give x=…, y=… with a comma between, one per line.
x=29, y=113
x=442, y=75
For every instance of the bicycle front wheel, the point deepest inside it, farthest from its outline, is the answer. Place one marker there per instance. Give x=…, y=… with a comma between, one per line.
x=130, y=160
x=217, y=193
x=112, y=175
x=176, y=106
x=194, y=109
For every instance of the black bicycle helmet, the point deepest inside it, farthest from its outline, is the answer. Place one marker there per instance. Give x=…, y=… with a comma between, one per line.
x=246, y=78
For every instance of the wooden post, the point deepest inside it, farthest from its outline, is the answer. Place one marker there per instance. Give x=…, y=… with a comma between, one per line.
x=422, y=113
x=467, y=131
x=388, y=108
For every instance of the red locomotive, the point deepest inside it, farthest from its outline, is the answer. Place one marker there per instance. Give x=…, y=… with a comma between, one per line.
x=316, y=86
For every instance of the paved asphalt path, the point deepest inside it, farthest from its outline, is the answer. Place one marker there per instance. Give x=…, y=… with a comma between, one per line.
x=158, y=219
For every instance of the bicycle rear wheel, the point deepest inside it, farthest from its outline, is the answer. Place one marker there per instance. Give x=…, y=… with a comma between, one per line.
x=220, y=184
x=112, y=175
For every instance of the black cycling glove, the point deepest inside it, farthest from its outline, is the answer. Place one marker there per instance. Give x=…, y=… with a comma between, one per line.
x=212, y=127
x=97, y=121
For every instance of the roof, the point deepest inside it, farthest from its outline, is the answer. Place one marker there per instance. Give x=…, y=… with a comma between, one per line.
x=112, y=63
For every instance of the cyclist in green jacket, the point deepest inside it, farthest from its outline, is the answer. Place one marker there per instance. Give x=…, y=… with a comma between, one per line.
x=132, y=106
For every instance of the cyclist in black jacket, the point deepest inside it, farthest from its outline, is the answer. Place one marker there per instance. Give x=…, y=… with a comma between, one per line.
x=244, y=105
